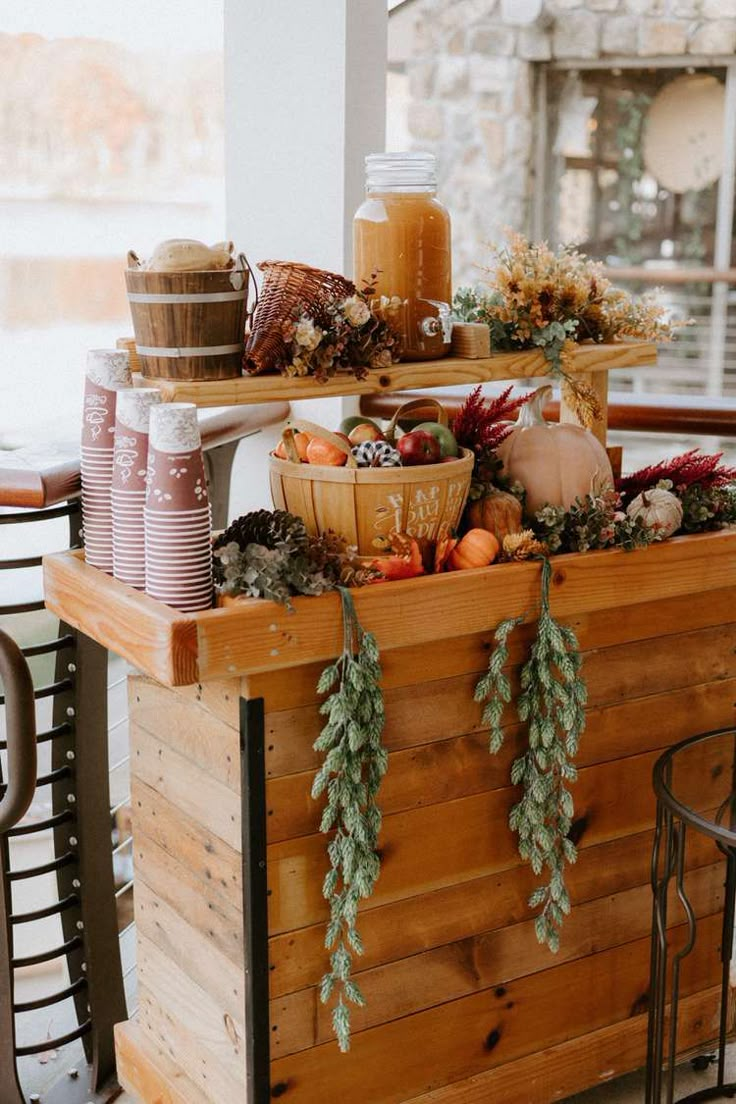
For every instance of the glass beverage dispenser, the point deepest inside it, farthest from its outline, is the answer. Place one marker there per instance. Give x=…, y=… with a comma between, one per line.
x=401, y=237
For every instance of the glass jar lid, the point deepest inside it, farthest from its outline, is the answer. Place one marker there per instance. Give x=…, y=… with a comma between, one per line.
x=401, y=171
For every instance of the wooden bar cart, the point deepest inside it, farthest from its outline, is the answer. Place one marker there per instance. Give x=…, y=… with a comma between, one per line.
x=463, y=1004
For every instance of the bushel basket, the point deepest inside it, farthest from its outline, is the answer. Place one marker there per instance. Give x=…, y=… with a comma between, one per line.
x=367, y=505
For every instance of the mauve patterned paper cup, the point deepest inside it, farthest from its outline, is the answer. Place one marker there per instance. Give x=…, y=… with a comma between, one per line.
x=107, y=374
x=128, y=493
x=178, y=525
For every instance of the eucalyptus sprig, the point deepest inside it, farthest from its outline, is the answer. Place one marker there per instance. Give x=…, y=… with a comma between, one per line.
x=551, y=704
x=494, y=688
x=354, y=763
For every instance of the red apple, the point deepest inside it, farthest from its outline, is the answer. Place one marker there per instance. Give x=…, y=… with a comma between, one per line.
x=419, y=447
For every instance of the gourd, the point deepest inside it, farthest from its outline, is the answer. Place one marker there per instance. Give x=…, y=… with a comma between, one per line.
x=498, y=512
x=478, y=548
x=659, y=509
x=555, y=462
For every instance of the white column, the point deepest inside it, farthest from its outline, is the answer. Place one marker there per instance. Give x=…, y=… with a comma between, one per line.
x=305, y=101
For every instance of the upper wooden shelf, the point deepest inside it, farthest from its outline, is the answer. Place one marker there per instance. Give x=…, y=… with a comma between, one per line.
x=254, y=635
x=400, y=377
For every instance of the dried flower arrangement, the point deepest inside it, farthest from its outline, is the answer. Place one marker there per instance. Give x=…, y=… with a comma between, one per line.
x=270, y=554
x=347, y=337
x=538, y=298
x=705, y=487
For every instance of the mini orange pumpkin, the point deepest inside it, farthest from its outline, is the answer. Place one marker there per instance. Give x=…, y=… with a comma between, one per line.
x=478, y=548
x=498, y=512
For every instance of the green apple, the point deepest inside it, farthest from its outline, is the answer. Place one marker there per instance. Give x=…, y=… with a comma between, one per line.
x=445, y=436
x=348, y=424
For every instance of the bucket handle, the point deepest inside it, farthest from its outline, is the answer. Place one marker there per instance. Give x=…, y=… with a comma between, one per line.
x=415, y=404
x=20, y=719
x=246, y=265
x=302, y=426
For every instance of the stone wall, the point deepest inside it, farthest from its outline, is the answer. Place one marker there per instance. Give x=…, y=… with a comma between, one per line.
x=472, y=76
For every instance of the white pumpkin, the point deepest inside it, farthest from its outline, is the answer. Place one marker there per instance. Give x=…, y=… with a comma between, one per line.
x=555, y=462
x=659, y=509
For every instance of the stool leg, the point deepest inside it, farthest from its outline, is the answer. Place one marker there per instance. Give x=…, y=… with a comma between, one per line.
x=662, y=857
x=726, y=949
x=679, y=832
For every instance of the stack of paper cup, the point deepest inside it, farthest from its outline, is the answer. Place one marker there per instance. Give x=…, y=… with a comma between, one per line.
x=108, y=372
x=177, y=513
x=129, y=484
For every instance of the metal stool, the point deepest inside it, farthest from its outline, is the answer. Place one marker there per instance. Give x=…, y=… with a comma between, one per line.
x=700, y=771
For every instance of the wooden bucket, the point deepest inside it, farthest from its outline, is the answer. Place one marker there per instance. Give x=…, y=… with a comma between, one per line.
x=189, y=325
x=366, y=505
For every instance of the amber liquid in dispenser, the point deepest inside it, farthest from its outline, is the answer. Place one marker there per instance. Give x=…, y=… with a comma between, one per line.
x=402, y=233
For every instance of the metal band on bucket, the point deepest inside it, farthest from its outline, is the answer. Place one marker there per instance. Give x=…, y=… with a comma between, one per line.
x=210, y=350
x=199, y=297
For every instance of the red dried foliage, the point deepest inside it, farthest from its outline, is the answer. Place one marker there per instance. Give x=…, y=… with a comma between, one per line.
x=482, y=424
x=683, y=471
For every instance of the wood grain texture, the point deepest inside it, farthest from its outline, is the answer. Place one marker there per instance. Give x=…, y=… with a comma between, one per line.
x=404, y=928
x=217, y=866
x=591, y=1059
x=416, y=663
x=430, y=373
x=457, y=1039
x=187, y=726
x=428, y=848
x=145, y=1071
x=212, y=911
x=255, y=635
x=438, y=770
x=150, y=635
x=258, y=636
x=488, y=959
x=445, y=708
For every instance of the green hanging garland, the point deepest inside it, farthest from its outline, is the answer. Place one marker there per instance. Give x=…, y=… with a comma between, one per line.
x=552, y=705
x=354, y=763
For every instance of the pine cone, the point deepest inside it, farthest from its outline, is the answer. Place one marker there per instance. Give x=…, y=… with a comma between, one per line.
x=267, y=527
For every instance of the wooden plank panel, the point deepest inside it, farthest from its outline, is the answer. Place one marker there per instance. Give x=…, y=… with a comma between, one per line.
x=215, y=864
x=200, y=721
x=220, y=1035
x=187, y=786
x=427, y=848
x=419, y=923
x=150, y=635
x=447, y=769
x=254, y=635
x=204, y=908
x=191, y=950
x=449, y=371
x=183, y=1036
x=593, y=1059
x=289, y=689
x=146, y=1072
x=492, y=958
x=464, y=1037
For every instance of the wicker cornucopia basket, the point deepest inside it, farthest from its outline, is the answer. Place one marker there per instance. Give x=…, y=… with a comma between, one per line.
x=289, y=289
